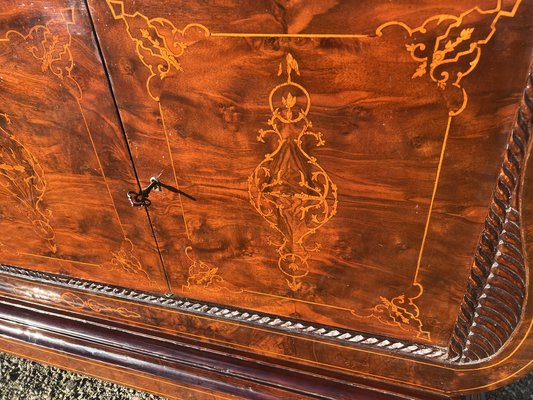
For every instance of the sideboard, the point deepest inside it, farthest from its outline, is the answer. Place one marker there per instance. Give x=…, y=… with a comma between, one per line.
x=267, y=199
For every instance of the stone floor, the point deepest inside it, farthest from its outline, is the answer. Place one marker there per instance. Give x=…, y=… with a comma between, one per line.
x=520, y=390
x=26, y=380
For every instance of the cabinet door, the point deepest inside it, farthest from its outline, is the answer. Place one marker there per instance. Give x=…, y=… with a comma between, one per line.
x=338, y=158
x=64, y=163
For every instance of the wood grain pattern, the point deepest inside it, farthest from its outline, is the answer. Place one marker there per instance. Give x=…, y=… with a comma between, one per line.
x=395, y=156
x=64, y=163
x=337, y=159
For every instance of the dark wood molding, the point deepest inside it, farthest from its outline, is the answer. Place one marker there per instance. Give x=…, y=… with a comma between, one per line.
x=182, y=360
x=497, y=287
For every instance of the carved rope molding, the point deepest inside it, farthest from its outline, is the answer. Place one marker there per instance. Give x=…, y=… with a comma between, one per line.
x=497, y=287
x=342, y=336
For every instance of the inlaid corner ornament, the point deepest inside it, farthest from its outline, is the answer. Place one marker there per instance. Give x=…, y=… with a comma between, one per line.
x=158, y=43
x=289, y=188
x=203, y=276
x=125, y=260
x=50, y=45
x=402, y=312
x=448, y=48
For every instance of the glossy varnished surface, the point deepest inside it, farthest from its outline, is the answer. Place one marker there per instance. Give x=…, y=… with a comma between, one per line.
x=64, y=163
x=389, y=185
x=358, y=208
x=120, y=339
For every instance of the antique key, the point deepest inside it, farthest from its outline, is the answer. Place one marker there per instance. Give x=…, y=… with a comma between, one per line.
x=140, y=199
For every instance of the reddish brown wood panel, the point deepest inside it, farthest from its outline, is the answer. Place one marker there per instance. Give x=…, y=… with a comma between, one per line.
x=358, y=195
x=342, y=155
x=64, y=164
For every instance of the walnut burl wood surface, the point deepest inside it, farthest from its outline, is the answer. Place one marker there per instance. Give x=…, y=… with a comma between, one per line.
x=63, y=163
x=354, y=218
x=340, y=170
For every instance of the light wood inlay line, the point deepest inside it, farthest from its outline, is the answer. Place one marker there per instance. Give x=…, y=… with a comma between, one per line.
x=432, y=202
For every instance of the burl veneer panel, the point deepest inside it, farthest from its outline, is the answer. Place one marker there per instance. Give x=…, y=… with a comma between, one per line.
x=341, y=154
x=64, y=164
